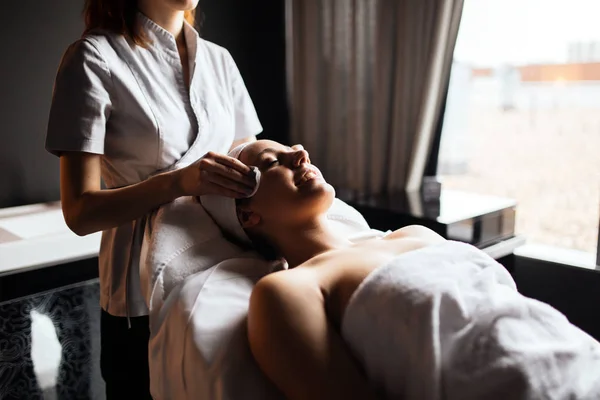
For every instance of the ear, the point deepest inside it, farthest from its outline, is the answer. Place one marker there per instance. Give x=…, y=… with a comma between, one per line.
x=247, y=217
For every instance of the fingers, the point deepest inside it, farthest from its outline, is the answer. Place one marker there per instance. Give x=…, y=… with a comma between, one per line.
x=212, y=166
x=212, y=188
x=230, y=162
x=239, y=189
x=229, y=174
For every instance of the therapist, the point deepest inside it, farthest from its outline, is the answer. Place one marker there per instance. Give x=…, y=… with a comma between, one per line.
x=144, y=104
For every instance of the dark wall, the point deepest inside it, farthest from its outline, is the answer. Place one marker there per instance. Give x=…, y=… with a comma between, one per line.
x=254, y=33
x=573, y=291
x=35, y=34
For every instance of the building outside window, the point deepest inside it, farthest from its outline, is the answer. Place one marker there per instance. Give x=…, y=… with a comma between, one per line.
x=523, y=118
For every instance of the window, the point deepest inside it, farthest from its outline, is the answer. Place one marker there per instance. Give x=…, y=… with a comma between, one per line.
x=523, y=116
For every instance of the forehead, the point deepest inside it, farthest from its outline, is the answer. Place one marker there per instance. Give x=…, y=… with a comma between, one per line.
x=251, y=153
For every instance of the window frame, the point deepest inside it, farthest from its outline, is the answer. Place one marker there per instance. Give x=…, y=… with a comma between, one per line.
x=598, y=248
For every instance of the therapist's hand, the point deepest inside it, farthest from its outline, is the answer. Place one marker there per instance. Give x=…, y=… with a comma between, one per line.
x=215, y=174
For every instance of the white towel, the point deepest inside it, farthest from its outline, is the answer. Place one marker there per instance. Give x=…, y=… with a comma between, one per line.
x=446, y=322
x=197, y=285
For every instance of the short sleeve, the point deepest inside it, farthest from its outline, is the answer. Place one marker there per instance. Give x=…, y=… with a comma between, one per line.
x=246, y=120
x=81, y=101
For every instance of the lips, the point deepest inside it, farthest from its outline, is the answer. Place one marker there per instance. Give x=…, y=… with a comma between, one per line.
x=307, y=174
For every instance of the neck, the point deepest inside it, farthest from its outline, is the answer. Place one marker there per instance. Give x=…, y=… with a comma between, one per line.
x=307, y=241
x=168, y=19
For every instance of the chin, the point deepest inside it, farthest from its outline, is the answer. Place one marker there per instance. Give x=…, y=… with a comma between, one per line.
x=329, y=190
x=184, y=5
x=322, y=196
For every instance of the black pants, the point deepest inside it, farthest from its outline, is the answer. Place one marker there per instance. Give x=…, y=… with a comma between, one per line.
x=124, y=357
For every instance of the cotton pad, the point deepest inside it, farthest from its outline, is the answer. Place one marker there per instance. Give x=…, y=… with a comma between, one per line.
x=256, y=173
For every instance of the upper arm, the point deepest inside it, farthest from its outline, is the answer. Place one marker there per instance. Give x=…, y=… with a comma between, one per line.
x=80, y=109
x=79, y=174
x=295, y=344
x=81, y=101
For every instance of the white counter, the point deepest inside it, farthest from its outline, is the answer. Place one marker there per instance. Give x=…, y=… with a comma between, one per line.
x=36, y=236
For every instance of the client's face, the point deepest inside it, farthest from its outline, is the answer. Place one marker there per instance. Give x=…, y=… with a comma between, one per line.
x=291, y=188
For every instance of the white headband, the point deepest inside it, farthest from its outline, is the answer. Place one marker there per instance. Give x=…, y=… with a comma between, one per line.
x=236, y=151
x=223, y=210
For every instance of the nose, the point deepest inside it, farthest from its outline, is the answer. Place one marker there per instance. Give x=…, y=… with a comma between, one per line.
x=300, y=157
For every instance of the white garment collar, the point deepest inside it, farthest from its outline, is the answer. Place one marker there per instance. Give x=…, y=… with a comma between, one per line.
x=162, y=39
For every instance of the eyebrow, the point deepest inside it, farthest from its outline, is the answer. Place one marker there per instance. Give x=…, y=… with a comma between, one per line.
x=267, y=150
x=270, y=150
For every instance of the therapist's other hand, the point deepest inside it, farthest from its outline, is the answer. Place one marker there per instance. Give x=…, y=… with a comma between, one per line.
x=216, y=174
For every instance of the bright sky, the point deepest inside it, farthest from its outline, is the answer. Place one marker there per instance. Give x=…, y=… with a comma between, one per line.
x=520, y=32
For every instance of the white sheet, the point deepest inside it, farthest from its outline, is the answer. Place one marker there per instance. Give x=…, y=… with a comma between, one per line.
x=199, y=349
x=446, y=322
x=197, y=286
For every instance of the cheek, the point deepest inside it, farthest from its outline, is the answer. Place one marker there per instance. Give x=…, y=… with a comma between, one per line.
x=275, y=188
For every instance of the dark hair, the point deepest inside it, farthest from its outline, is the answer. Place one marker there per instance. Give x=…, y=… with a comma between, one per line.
x=119, y=16
x=260, y=243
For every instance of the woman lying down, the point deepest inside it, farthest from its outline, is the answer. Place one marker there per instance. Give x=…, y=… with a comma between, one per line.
x=407, y=316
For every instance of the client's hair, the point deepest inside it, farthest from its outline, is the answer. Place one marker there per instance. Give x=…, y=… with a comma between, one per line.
x=260, y=243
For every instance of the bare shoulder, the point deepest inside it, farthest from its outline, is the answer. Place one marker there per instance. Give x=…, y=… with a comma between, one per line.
x=416, y=232
x=283, y=284
x=278, y=297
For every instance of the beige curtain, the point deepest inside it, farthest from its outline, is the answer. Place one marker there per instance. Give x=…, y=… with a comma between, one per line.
x=365, y=82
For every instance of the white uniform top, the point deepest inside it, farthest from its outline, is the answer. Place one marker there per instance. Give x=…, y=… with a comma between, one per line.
x=131, y=105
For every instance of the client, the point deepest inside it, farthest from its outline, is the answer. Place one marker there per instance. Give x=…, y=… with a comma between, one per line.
x=408, y=316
